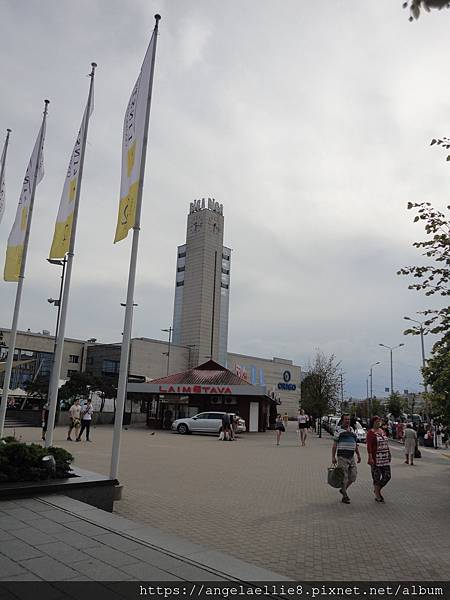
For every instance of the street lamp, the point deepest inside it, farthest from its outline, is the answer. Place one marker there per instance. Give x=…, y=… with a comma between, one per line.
x=392, y=370
x=57, y=301
x=421, y=331
x=169, y=331
x=371, y=387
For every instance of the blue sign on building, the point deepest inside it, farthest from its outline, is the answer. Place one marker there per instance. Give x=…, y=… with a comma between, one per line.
x=286, y=385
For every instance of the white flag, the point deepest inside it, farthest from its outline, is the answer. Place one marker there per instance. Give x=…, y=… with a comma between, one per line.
x=2, y=179
x=132, y=146
x=64, y=220
x=16, y=238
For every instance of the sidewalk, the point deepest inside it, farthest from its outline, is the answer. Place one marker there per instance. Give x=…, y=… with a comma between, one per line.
x=56, y=538
x=280, y=513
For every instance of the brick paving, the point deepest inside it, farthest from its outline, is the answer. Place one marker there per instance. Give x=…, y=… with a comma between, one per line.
x=271, y=507
x=114, y=549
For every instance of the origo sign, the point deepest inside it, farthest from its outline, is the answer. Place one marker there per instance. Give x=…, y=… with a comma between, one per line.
x=286, y=384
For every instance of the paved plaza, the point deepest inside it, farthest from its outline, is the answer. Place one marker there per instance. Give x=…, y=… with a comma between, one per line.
x=271, y=507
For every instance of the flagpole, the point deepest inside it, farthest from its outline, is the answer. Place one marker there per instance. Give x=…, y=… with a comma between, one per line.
x=2, y=166
x=126, y=337
x=13, y=333
x=59, y=342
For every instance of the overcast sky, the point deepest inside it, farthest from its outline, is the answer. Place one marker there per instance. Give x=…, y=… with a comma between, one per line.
x=309, y=121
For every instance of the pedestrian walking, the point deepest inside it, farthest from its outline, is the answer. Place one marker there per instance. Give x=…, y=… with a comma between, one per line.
x=410, y=444
x=86, y=420
x=279, y=428
x=438, y=436
x=285, y=420
x=45, y=410
x=233, y=423
x=445, y=436
x=345, y=446
x=302, y=421
x=75, y=419
x=379, y=457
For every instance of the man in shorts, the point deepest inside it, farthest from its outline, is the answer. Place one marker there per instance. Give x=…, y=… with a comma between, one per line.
x=345, y=446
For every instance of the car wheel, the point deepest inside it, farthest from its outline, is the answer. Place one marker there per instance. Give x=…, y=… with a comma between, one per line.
x=183, y=428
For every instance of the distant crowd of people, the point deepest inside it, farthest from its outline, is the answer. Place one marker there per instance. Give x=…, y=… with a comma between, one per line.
x=433, y=434
x=345, y=450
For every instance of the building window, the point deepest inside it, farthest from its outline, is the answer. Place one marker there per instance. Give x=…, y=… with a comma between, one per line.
x=71, y=372
x=224, y=285
x=180, y=269
x=181, y=254
x=225, y=257
x=73, y=358
x=180, y=283
x=110, y=367
x=226, y=271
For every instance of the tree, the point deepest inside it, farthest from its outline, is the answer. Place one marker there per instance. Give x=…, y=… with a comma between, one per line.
x=38, y=388
x=415, y=6
x=377, y=407
x=107, y=388
x=321, y=387
x=78, y=386
x=437, y=375
x=434, y=278
x=395, y=405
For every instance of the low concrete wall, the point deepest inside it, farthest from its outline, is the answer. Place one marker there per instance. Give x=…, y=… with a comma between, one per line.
x=94, y=489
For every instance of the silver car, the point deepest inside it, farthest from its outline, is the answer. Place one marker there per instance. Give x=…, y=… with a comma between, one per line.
x=206, y=422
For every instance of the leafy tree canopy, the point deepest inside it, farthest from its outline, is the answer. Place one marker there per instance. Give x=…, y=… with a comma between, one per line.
x=416, y=6
x=320, y=388
x=437, y=375
x=395, y=405
x=433, y=277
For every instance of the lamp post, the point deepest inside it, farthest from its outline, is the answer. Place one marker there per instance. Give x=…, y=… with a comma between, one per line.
x=391, y=348
x=57, y=301
x=371, y=387
x=169, y=331
x=421, y=329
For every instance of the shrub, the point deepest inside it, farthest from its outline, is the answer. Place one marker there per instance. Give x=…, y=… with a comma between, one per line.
x=23, y=462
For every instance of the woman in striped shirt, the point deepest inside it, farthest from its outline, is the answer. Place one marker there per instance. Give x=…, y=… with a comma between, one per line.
x=379, y=457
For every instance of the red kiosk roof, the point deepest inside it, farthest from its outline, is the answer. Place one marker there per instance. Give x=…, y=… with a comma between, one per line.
x=209, y=373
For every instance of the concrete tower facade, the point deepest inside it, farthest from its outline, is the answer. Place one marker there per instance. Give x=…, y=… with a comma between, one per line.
x=202, y=285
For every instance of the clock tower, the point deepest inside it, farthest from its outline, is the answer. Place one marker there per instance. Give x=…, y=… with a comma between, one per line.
x=202, y=285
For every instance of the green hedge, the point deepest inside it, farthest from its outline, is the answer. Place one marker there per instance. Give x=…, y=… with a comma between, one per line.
x=23, y=462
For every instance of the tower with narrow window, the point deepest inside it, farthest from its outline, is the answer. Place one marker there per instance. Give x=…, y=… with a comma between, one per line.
x=202, y=285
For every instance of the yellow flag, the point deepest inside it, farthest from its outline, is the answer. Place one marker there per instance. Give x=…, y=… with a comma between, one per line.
x=14, y=250
x=64, y=220
x=132, y=146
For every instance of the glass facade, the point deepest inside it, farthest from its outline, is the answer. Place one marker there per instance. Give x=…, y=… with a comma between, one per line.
x=35, y=364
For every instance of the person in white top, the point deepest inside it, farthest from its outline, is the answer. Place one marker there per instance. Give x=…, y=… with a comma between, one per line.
x=302, y=420
x=86, y=418
x=75, y=419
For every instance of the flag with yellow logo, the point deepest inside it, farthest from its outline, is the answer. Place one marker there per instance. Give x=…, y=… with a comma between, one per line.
x=133, y=145
x=16, y=238
x=64, y=220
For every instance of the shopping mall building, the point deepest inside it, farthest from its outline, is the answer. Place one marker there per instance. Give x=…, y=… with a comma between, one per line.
x=199, y=331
